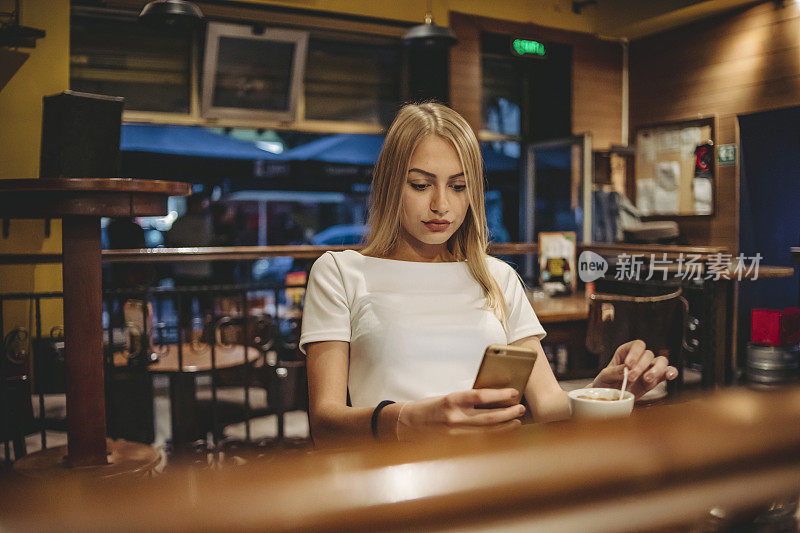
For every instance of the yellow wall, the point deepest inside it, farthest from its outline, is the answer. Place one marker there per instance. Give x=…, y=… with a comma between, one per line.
x=553, y=13
x=615, y=18
x=45, y=72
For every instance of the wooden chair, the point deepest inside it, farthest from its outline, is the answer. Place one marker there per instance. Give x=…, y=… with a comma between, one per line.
x=16, y=409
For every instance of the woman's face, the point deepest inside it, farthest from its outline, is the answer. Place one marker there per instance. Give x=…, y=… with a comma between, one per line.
x=435, y=199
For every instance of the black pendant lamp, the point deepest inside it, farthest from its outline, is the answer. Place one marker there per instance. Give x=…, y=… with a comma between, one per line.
x=430, y=34
x=171, y=13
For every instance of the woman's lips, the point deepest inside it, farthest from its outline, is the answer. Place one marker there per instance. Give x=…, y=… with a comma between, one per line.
x=437, y=226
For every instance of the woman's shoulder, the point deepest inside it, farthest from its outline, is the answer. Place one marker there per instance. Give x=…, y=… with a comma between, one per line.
x=339, y=261
x=498, y=267
x=505, y=274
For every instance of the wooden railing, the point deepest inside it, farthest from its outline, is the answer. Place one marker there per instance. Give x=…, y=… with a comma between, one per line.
x=236, y=253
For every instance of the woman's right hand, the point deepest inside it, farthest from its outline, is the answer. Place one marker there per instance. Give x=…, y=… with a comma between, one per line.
x=456, y=414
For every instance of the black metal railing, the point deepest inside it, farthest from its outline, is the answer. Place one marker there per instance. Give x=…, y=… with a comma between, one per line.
x=253, y=327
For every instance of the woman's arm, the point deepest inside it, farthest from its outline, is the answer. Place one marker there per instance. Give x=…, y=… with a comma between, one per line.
x=547, y=401
x=334, y=423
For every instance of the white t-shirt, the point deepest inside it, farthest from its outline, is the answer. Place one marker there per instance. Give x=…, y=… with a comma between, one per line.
x=415, y=329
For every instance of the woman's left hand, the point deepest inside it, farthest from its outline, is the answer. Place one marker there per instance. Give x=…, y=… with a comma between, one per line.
x=645, y=370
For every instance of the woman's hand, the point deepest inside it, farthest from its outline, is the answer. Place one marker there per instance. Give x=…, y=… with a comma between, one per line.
x=456, y=414
x=645, y=371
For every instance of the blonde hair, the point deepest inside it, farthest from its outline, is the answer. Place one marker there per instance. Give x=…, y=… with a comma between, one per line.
x=469, y=243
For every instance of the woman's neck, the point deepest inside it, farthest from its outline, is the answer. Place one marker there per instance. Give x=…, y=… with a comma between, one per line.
x=410, y=249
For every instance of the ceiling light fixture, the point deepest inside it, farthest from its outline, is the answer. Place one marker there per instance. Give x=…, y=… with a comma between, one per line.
x=171, y=13
x=429, y=34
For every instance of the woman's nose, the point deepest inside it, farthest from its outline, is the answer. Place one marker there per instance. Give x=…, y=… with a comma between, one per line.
x=439, y=202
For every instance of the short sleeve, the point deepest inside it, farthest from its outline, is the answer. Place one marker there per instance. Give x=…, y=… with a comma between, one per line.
x=326, y=313
x=521, y=321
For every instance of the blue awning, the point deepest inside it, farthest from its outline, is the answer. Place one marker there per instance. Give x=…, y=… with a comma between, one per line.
x=350, y=149
x=187, y=140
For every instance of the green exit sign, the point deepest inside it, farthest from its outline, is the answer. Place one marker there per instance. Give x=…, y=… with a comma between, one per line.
x=726, y=154
x=524, y=47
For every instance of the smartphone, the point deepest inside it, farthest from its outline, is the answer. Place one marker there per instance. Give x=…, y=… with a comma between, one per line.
x=505, y=367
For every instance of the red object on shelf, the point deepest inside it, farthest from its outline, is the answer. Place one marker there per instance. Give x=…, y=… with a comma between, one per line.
x=775, y=327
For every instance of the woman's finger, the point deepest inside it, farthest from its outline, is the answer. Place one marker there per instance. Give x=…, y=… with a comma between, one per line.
x=475, y=397
x=656, y=373
x=671, y=373
x=616, y=372
x=488, y=417
x=642, y=364
x=631, y=351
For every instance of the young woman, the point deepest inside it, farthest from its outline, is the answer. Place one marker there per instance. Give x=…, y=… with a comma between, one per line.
x=408, y=318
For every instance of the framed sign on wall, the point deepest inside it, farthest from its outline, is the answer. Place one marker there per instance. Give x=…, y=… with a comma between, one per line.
x=675, y=171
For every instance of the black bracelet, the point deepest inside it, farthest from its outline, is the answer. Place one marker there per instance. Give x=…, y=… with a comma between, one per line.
x=375, y=413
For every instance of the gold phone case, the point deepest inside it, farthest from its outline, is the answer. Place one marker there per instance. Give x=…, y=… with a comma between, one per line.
x=505, y=367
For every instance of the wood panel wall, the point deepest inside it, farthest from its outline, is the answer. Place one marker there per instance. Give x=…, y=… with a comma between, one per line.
x=741, y=62
x=596, y=74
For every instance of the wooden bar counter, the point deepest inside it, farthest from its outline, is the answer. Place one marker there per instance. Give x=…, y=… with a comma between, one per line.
x=661, y=469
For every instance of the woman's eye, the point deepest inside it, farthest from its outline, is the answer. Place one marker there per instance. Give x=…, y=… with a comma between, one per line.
x=459, y=188
x=419, y=186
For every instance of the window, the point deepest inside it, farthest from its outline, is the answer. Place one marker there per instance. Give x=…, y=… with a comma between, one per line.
x=353, y=81
x=118, y=56
x=502, y=198
x=502, y=95
x=252, y=77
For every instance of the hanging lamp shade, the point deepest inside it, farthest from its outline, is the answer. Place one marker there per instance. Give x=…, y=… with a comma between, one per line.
x=430, y=34
x=171, y=12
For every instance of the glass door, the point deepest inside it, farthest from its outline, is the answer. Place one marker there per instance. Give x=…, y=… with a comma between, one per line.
x=556, y=191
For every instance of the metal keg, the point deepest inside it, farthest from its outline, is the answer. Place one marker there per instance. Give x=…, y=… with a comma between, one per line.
x=772, y=364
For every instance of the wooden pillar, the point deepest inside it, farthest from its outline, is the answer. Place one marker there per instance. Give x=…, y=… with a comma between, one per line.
x=86, y=419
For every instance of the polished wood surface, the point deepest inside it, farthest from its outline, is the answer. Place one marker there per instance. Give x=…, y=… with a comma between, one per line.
x=661, y=469
x=219, y=253
x=226, y=253
x=100, y=197
x=560, y=308
x=24, y=185
x=657, y=249
x=125, y=460
x=236, y=253
x=196, y=358
x=772, y=272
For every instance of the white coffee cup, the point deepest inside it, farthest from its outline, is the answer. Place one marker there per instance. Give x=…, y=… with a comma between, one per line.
x=600, y=403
